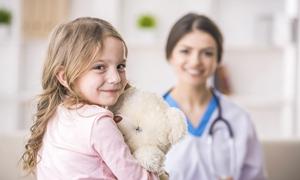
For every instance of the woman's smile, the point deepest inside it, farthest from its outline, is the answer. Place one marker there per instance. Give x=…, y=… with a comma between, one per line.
x=194, y=72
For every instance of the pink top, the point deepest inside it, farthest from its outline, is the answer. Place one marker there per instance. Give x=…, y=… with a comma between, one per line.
x=86, y=144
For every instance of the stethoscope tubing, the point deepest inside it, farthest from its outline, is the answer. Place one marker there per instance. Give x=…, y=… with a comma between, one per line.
x=220, y=117
x=231, y=140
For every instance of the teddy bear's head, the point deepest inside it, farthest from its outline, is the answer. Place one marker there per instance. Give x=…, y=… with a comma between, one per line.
x=149, y=126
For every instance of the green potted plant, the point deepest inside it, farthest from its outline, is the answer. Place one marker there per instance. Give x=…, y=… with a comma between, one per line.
x=5, y=21
x=5, y=17
x=146, y=21
x=146, y=25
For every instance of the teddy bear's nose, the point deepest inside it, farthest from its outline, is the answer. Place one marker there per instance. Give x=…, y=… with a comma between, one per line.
x=138, y=129
x=117, y=118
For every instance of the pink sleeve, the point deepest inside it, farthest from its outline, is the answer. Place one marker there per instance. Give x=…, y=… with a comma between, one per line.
x=108, y=141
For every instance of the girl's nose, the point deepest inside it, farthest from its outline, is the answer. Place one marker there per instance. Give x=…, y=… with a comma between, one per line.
x=113, y=77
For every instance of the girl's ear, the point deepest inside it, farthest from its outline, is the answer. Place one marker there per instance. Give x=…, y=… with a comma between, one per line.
x=61, y=77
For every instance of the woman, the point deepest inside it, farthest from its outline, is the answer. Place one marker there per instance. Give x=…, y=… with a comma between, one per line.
x=194, y=50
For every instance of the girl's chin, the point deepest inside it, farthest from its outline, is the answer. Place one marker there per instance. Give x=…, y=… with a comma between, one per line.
x=109, y=102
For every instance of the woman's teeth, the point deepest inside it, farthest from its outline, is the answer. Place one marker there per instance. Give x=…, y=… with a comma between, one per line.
x=194, y=71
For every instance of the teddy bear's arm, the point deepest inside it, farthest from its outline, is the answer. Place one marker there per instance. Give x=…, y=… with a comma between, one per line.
x=150, y=157
x=107, y=140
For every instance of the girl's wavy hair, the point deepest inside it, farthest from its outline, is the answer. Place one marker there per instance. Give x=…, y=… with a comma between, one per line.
x=73, y=47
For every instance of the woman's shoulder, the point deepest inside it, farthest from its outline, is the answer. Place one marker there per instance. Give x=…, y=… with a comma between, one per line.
x=236, y=114
x=232, y=106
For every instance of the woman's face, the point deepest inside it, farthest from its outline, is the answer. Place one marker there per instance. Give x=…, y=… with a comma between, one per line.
x=105, y=80
x=194, y=58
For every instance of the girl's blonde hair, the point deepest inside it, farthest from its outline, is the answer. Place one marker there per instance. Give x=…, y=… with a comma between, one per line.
x=72, y=47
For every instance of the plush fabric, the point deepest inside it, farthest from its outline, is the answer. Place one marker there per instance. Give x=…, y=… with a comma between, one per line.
x=149, y=126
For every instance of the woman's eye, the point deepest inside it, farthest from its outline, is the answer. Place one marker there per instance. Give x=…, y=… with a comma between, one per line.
x=121, y=67
x=209, y=54
x=184, y=51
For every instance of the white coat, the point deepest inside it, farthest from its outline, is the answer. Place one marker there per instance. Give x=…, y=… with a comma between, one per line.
x=190, y=158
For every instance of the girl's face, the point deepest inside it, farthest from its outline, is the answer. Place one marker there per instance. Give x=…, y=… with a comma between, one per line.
x=105, y=79
x=194, y=58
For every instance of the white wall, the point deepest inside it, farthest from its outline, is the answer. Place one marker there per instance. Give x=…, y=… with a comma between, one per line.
x=9, y=69
x=249, y=23
x=166, y=12
x=108, y=10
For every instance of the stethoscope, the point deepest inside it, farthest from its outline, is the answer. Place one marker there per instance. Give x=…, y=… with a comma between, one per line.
x=229, y=174
x=231, y=142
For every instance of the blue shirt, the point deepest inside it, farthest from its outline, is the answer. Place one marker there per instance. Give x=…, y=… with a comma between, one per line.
x=198, y=130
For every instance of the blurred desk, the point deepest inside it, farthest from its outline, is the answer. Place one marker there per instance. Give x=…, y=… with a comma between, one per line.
x=282, y=158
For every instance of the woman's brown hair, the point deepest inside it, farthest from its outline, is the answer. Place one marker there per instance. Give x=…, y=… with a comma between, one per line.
x=189, y=23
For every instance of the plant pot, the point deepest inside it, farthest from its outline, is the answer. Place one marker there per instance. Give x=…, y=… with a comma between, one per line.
x=4, y=31
x=147, y=36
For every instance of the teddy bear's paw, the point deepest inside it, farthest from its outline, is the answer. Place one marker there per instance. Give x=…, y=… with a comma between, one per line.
x=151, y=158
x=178, y=125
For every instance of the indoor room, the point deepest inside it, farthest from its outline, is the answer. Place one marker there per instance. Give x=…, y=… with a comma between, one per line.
x=259, y=71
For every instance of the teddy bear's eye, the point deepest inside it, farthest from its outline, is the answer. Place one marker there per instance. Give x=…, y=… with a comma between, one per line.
x=138, y=129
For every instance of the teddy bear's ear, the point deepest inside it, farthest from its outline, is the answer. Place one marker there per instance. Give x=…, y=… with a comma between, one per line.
x=129, y=91
x=128, y=86
x=177, y=125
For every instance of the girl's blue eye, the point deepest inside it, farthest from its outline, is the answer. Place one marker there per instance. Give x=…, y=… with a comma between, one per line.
x=121, y=67
x=99, y=67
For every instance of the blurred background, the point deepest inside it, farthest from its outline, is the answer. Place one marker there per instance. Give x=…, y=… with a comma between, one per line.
x=260, y=65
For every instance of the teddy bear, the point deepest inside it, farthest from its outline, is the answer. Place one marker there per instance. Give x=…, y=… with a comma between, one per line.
x=149, y=126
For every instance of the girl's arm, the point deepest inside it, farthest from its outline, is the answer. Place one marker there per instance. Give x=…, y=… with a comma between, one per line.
x=108, y=141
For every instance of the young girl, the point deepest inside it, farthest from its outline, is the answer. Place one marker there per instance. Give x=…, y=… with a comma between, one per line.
x=74, y=135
